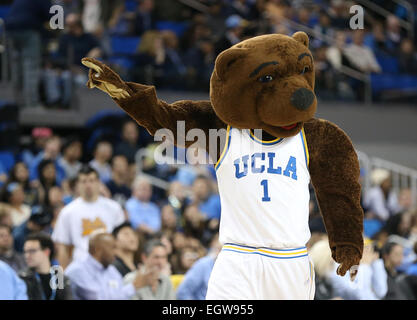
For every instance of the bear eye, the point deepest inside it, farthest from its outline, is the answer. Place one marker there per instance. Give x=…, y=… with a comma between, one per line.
x=305, y=69
x=267, y=78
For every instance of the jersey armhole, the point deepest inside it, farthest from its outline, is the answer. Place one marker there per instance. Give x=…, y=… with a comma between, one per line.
x=226, y=147
x=305, y=146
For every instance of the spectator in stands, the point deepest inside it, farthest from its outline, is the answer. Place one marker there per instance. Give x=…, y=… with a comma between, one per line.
x=194, y=221
x=195, y=282
x=324, y=74
x=377, y=39
x=7, y=252
x=200, y=60
x=393, y=32
x=127, y=244
x=55, y=203
x=381, y=199
x=145, y=19
x=154, y=283
x=144, y=215
x=186, y=257
x=14, y=195
x=102, y=155
x=5, y=216
x=188, y=173
x=130, y=142
x=24, y=24
x=51, y=152
x=47, y=176
x=168, y=220
x=392, y=254
x=207, y=201
x=81, y=217
x=72, y=151
x=65, y=68
x=323, y=263
x=94, y=277
x=172, y=64
x=339, y=14
x=235, y=26
x=20, y=174
x=42, y=281
x=39, y=220
x=323, y=27
x=361, y=57
x=412, y=269
x=39, y=137
x=370, y=282
x=176, y=196
x=407, y=57
x=12, y=287
x=118, y=184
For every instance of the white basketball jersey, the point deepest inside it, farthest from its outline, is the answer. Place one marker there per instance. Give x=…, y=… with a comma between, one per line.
x=263, y=187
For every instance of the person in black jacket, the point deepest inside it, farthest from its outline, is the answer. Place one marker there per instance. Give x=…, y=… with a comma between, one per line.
x=127, y=244
x=43, y=281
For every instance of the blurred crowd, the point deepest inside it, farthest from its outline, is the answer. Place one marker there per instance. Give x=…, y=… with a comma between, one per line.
x=181, y=54
x=104, y=225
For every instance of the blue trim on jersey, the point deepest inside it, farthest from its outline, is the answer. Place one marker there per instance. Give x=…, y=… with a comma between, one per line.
x=263, y=142
x=303, y=142
x=223, y=155
x=263, y=254
x=272, y=249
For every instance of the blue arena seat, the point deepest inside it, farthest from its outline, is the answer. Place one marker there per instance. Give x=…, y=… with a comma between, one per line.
x=388, y=63
x=7, y=160
x=131, y=5
x=177, y=27
x=4, y=11
x=385, y=81
x=124, y=45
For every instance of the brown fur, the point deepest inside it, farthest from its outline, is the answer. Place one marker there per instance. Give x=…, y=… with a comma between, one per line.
x=238, y=98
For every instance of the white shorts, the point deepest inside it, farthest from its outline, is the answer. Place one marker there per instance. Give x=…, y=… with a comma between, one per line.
x=249, y=273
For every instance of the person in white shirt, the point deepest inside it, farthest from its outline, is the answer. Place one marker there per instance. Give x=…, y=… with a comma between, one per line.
x=381, y=200
x=84, y=215
x=361, y=56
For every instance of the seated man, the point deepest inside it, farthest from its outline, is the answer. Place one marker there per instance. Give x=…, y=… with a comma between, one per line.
x=152, y=280
x=12, y=287
x=43, y=281
x=95, y=278
x=7, y=252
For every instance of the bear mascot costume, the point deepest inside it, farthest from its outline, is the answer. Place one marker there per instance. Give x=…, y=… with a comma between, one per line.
x=262, y=99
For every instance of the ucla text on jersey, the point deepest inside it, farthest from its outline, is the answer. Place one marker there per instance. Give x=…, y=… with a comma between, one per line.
x=261, y=162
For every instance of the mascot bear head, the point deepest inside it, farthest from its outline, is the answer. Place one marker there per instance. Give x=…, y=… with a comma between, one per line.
x=266, y=82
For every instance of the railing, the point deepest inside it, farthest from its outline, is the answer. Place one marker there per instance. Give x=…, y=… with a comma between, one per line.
x=361, y=76
x=195, y=5
x=3, y=52
x=402, y=177
x=408, y=25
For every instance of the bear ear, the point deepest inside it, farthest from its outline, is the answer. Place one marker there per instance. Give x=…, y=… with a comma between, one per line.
x=226, y=59
x=302, y=37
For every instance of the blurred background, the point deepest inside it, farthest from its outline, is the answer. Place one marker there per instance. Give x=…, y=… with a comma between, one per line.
x=51, y=124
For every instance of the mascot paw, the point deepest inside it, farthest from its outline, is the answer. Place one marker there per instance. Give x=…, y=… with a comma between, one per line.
x=104, y=78
x=349, y=258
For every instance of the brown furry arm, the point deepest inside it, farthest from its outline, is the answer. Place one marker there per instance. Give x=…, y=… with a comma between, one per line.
x=334, y=171
x=141, y=103
x=153, y=114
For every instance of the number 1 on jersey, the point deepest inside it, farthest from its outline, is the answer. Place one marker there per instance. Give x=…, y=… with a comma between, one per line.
x=266, y=197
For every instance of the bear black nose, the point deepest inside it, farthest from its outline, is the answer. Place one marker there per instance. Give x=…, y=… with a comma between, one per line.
x=302, y=98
